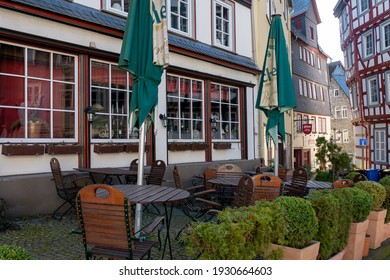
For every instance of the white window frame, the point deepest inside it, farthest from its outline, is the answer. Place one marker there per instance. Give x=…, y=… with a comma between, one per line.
x=337, y=112
x=345, y=136
x=344, y=112
x=108, y=6
x=336, y=92
x=300, y=86
x=228, y=5
x=367, y=38
x=360, y=6
x=380, y=149
x=189, y=17
x=345, y=19
x=383, y=26
x=370, y=94
x=387, y=86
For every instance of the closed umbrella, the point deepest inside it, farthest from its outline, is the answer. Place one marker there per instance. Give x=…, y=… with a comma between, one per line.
x=144, y=54
x=276, y=92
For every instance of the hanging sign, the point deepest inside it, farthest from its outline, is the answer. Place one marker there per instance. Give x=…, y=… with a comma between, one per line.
x=306, y=128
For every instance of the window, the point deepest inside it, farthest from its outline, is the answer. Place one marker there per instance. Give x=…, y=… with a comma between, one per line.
x=110, y=94
x=116, y=6
x=299, y=123
x=314, y=91
x=344, y=112
x=336, y=92
x=387, y=85
x=354, y=96
x=345, y=136
x=311, y=33
x=349, y=56
x=38, y=94
x=300, y=87
x=321, y=125
x=385, y=36
x=180, y=16
x=225, y=109
x=318, y=62
x=345, y=19
x=337, y=112
x=305, y=88
x=185, y=108
x=363, y=6
x=314, y=125
x=380, y=145
x=322, y=98
x=372, y=90
x=223, y=25
x=368, y=44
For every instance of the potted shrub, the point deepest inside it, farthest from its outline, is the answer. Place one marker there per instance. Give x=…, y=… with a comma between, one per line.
x=13, y=252
x=301, y=226
x=333, y=211
x=244, y=233
x=361, y=205
x=377, y=215
x=385, y=181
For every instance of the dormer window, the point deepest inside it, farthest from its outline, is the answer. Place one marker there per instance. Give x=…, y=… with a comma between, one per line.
x=180, y=16
x=120, y=7
x=223, y=24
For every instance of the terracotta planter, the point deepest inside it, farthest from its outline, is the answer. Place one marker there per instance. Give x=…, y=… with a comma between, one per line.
x=375, y=227
x=357, y=233
x=308, y=253
x=366, y=247
x=386, y=231
x=339, y=256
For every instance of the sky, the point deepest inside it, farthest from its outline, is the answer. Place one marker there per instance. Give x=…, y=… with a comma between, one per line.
x=328, y=30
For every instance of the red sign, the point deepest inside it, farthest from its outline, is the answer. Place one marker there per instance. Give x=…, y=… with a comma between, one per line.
x=306, y=128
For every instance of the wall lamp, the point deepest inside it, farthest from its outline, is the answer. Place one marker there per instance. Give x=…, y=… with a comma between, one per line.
x=90, y=113
x=164, y=120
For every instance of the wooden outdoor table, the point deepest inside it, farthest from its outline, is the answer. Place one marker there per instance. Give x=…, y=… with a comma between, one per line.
x=152, y=194
x=107, y=172
x=221, y=184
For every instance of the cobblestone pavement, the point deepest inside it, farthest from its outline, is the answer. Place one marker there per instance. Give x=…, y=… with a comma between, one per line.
x=49, y=239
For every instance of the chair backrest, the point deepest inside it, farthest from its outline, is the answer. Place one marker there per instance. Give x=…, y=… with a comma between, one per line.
x=157, y=172
x=267, y=187
x=359, y=177
x=244, y=192
x=342, y=183
x=282, y=174
x=260, y=168
x=176, y=178
x=299, y=182
x=208, y=174
x=57, y=173
x=229, y=170
x=134, y=165
x=105, y=221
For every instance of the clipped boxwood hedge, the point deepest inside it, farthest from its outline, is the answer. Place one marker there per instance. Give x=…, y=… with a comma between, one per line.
x=362, y=203
x=385, y=181
x=301, y=221
x=12, y=252
x=376, y=190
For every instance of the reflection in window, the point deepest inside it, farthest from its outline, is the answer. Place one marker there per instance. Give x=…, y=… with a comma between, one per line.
x=185, y=108
x=42, y=104
x=110, y=89
x=225, y=110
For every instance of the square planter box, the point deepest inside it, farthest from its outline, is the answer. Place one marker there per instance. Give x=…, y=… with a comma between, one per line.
x=22, y=150
x=63, y=149
x=222, y=146
x=108, y=148
x=179, y=146
x=375, y=227
x=198, y=146
x=357, y=234
x=133, y=148
x=308, y=253
x=386, y=231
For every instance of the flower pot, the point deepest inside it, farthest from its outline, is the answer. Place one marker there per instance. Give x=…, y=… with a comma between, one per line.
x=357, y=233
x=178, y=146
x=308, y=253
x=23, y=150
x=386, y=231
x=339, y=256
x=53, y=149
x=375, y=227
x=34, y=129
x=222, y=146
x=108, y=148
x=366, y=247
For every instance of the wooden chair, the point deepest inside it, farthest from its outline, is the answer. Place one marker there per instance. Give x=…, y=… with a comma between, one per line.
x=244, y=192
x=198, y=203
x=157, y=172
x=297, y=187
x=260, y=168
x=132, y=179
x=359, y=177
x=342, y=183
x=67, y=186
x=107, y=227
x=230, y=172
x=282, y=174
x=267, y=187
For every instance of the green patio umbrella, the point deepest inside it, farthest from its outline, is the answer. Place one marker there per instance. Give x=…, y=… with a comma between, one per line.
x=276, y=92
x=145, y=37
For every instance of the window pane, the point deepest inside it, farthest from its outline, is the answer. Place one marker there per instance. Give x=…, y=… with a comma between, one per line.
x=119, y=127
x=185, y=87
x=100, y=127
x=118, y=78
x=38, y=123
x=63, y=96
x=38, y=64
x=100, y=74
x=118, y=102
x=38, y=93
x=63, y=125
x=12, y=123
x=63, y=67
x=15, y=85
x=11, y=59
x=100, y=100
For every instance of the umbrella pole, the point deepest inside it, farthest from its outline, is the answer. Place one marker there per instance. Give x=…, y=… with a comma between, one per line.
x=140, y=176
x=276, y=156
